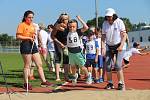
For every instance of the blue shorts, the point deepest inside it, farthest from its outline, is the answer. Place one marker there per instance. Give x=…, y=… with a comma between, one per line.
x=26, y=47
x=90, y=62
x=100, y=61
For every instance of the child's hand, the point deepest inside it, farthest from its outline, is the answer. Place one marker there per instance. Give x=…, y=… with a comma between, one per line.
x=62, y=45
x=78, y=17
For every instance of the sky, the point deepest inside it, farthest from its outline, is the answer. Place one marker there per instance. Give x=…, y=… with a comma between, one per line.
x=48, y=11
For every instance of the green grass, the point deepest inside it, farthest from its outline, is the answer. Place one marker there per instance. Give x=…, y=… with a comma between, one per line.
x=12, y=64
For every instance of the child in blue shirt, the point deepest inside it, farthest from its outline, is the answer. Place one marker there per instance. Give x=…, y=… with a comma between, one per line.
x=92, y=51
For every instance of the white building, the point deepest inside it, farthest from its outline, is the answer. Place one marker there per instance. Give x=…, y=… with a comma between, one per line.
x=142, y=36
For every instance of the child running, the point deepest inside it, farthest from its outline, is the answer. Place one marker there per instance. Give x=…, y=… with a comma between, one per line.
x=135, y=50
x=73, y=43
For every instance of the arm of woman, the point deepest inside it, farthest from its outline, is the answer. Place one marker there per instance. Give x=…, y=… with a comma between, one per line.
x=123, y=40
x=20, y=37
x=53, y=35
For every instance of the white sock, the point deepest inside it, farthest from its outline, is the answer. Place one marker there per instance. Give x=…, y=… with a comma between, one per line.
x=121, y=82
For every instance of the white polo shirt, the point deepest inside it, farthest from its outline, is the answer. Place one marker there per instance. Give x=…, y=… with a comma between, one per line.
x=113, y=31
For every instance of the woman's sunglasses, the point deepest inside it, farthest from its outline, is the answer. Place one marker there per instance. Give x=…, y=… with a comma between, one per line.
x=64, y=14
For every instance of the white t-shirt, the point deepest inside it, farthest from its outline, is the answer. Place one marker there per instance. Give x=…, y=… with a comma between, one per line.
x=44, y=36
x=36, y=33
x=81, y=42
x=50, y=45
x=129, y=53
x=73, y=40
x=113, y=31
x=91, y=47
x=99, y=44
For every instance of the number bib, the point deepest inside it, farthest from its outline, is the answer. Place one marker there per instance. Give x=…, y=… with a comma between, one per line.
x=90, y=47
x=73, y=40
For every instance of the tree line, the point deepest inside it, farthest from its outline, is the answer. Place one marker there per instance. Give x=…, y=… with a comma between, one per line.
x=4, y=37
x=6, y=40
x=128, y=24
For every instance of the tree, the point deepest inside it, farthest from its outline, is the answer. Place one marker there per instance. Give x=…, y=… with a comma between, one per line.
x=139, y=25
x=101, y=20
x=93, y=22
x=5, y=39
x=134, y=27
x=127, y=23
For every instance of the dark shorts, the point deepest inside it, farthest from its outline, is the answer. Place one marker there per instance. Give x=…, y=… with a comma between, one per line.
x=58, y=56
x=125, y=62
x=90, y=62
x=26, y=47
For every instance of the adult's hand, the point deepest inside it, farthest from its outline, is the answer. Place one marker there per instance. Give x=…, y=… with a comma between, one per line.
x=62, y=45
x=120, y=48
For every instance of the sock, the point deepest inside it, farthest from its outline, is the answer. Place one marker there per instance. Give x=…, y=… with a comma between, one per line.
x=110, y=81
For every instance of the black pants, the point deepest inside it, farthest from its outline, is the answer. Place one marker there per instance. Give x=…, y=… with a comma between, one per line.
x=58, y=56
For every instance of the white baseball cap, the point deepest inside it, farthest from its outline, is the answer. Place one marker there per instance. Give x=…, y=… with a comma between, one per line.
x=110, y=12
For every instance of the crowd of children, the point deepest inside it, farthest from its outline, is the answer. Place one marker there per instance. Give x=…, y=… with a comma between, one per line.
x=90, y=50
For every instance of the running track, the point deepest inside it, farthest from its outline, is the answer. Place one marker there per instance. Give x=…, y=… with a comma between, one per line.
x=137, y=77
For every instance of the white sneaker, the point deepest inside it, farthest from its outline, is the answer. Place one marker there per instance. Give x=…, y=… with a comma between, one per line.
x=53, y=69
x=89, y=79
x=74, y=80
x=58, y=80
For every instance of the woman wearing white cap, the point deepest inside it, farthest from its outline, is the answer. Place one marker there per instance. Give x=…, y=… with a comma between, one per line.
x=114, y=34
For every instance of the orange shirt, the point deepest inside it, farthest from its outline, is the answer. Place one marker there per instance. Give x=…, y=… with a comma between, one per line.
x=25, y=30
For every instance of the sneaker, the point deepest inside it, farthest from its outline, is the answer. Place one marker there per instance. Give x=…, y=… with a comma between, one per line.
x=53, y=70
x=89, y=79
x=96, y=81
x=109, y=86
x=31, y=78
x=101, y=80
x=74, y=80
x=121, y=86
x=113, y=69
x=58, y=80
x=29, y=86
x=79, y=76
x=46, y=84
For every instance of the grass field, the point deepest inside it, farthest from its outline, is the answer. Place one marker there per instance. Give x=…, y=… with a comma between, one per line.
x=12, y=64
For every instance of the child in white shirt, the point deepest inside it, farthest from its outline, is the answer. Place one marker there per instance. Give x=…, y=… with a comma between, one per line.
x=128, y=54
